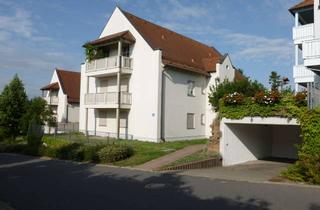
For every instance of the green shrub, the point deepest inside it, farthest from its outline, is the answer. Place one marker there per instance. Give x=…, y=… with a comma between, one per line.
x=66, y=151
x=246, y=87
x=13, y=148
x=88, y=153
x=307, y=168
x=114, y=152
x=301, y=98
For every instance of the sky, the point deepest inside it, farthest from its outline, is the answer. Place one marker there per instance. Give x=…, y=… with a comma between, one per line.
x=36, y=36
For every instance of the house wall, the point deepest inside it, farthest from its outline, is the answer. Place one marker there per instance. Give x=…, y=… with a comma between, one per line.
x=62, y=105
x=222, y=73
x=177, y=104
x=73, y=112
x=144, y=119
x=317, y=18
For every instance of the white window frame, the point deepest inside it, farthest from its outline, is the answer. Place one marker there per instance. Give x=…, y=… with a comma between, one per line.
x=191, y=88
x=193, y=121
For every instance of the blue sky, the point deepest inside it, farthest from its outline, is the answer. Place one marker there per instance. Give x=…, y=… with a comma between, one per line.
x=37, y=36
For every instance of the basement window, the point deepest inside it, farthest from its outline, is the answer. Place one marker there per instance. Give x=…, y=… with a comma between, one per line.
x=190, y=121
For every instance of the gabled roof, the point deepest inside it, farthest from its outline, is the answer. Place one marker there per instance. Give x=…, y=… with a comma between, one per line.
x=238, y=76
x=70, y=84
x=52, y=86
x=302, y=5
x=177, y=50
x=124, y=35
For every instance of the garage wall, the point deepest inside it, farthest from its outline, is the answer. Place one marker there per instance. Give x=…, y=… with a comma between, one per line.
x=284, y=140
x=241, y=143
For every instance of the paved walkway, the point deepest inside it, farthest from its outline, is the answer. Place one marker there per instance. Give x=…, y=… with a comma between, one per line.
x=165, y=160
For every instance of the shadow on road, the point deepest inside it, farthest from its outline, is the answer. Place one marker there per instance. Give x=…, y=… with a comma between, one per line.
x=64, y=185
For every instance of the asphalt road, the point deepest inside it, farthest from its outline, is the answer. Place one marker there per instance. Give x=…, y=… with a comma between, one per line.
x=31, y=183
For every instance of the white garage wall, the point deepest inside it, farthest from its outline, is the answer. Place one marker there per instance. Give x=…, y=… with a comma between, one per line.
x=284, y=140
x=244, y=143
x=255, y=138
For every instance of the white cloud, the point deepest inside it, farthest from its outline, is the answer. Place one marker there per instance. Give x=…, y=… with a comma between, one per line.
x=25, y=51
x=259, y=47
x=19, y=23
x=181, y=11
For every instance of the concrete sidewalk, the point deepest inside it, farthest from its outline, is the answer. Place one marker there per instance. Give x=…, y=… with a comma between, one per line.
x=165, y=160
x=253, y=171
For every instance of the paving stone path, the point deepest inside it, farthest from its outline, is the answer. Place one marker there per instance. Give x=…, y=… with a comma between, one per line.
x=165, y=160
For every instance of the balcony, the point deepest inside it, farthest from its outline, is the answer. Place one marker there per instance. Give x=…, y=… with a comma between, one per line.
x=303, y=33
x=302, y=74
x=107, y=100
x=52, y=100
x=311, y=53
x=109, y=65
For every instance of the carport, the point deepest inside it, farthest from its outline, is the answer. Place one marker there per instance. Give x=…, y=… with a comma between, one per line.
x=258, y=138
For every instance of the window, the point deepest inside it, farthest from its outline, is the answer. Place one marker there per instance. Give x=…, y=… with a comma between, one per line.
x=103, y=118
x=123, y=119
x=103, y=85
x=191, y=87
x=203, y=119
x=190, y=121
x=126, y=51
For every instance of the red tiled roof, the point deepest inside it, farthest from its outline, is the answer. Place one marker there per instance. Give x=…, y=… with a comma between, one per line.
x=70, y=84
x=301, y=5
x=52, y=86
x=177, y=50
x=238, y=76
x=124, y=35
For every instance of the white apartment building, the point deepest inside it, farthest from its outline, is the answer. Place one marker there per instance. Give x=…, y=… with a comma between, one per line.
x=306, y=36
x=63, y=95
x=149, y=83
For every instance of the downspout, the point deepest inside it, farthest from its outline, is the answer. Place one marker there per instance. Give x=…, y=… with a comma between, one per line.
x=162, y=110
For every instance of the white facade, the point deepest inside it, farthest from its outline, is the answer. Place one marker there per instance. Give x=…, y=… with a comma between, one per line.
x=156, y=96
x=256, y=138
x=306, y=37
x=58, y=100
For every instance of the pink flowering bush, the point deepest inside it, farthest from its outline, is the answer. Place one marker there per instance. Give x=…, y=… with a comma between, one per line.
x=267, y=98
x=233, y=98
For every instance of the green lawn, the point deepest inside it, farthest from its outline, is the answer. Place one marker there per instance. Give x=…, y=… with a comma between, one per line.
x=143, y=151
x=146, y=151
x=202, y=155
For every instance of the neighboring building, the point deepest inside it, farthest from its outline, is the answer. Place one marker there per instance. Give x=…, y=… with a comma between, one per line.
x=149, y=82
x=63, y=95
x=306, y=36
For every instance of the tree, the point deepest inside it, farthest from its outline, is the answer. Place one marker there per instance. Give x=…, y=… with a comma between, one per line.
x=39, y=113
x=13, y=102
x=274, y=80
